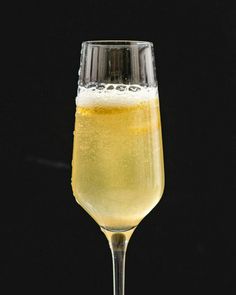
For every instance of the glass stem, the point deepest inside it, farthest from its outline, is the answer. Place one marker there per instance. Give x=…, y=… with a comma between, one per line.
x=118, y=242
x=118, y=249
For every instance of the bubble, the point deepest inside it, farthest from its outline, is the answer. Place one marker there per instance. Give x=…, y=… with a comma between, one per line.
x=134, y=88
x=121, y=87
x=110, y=87
x=91, y=85
x=101, y=86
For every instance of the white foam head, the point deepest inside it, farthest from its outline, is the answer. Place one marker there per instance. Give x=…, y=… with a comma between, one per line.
x=113, y=94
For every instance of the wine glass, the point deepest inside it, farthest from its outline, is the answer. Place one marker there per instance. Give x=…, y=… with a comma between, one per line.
x=117, y=166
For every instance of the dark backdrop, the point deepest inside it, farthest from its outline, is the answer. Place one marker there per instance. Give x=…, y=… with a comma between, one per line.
x=48, y=243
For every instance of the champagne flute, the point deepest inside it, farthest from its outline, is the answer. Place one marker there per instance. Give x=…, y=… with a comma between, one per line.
x=117, y=166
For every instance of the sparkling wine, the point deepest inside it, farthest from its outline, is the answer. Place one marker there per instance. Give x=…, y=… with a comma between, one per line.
x=118, y=171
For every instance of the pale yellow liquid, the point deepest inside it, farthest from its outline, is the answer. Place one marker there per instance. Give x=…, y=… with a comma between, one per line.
x=118, y=174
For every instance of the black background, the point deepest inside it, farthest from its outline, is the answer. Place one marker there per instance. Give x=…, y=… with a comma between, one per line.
x=48, y=243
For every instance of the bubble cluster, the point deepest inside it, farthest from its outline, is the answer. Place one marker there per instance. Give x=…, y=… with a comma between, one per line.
x=111, y=94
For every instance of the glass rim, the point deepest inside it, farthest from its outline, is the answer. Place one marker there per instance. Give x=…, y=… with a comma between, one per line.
x=119, y=43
